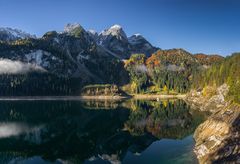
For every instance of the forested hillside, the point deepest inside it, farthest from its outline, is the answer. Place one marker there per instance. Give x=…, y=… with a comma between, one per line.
x=227, y=71
x=166, y=71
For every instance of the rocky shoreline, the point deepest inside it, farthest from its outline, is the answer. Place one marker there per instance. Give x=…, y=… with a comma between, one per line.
x=218, y=138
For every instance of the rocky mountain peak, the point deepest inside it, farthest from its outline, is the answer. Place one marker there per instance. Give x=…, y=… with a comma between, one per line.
x=93, y=32
x=140, y=45
x=137, y=35
x=115, y=30
x=71, y=27
x=136, y=38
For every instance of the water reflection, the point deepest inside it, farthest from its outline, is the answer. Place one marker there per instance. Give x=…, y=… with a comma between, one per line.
x=165, y=119
x=77, y=132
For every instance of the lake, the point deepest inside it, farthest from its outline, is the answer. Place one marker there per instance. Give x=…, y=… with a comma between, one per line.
x=71, y=131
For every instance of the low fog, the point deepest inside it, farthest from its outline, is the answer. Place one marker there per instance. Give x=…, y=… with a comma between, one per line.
x=17, y=67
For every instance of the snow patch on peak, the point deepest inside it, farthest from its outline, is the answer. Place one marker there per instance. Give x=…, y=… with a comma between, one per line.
x=116, y=26
x=70, y=27
x=93, y=32
x=115, y=30
x=137, y=35
x=14, y=34
x=136, y=39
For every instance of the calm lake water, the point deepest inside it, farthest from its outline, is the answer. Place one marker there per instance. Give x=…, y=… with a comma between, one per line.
x=39, y=132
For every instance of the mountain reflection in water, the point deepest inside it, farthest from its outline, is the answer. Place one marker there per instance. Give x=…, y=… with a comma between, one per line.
x=93, y=131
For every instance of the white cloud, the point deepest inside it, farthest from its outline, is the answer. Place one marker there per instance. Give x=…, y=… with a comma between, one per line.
x=17, y=67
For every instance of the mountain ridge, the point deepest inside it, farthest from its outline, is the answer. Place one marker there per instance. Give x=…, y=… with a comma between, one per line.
x=132, y=39
x=10, y=34
x=75, y=56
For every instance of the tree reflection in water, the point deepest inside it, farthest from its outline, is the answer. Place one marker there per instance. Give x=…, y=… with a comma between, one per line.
x=77, y=131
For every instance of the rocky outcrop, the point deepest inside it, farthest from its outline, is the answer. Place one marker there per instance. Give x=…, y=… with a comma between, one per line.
x=209, y=99
x=217, y=139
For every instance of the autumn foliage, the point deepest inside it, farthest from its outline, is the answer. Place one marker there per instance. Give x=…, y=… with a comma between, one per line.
x=208, y=59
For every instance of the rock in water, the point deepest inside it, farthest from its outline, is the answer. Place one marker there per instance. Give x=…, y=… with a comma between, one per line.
x=217, y=139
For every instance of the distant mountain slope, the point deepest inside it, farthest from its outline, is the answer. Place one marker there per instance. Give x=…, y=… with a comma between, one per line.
x=9, y=34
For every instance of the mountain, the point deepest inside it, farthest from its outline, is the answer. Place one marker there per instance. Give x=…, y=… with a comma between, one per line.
x=9, y=34
x=71, y=54
x=115, y=40
x=93, y=34
x=140, y=45
x=62, y=63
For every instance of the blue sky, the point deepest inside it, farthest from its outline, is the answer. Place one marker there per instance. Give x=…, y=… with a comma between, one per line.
x=207, y=26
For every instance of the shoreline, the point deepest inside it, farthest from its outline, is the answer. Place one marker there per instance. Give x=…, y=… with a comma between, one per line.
x=84, y=98
x=150, y=97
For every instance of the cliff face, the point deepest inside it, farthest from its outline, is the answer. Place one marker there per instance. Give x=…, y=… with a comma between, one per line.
x=217, y=139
